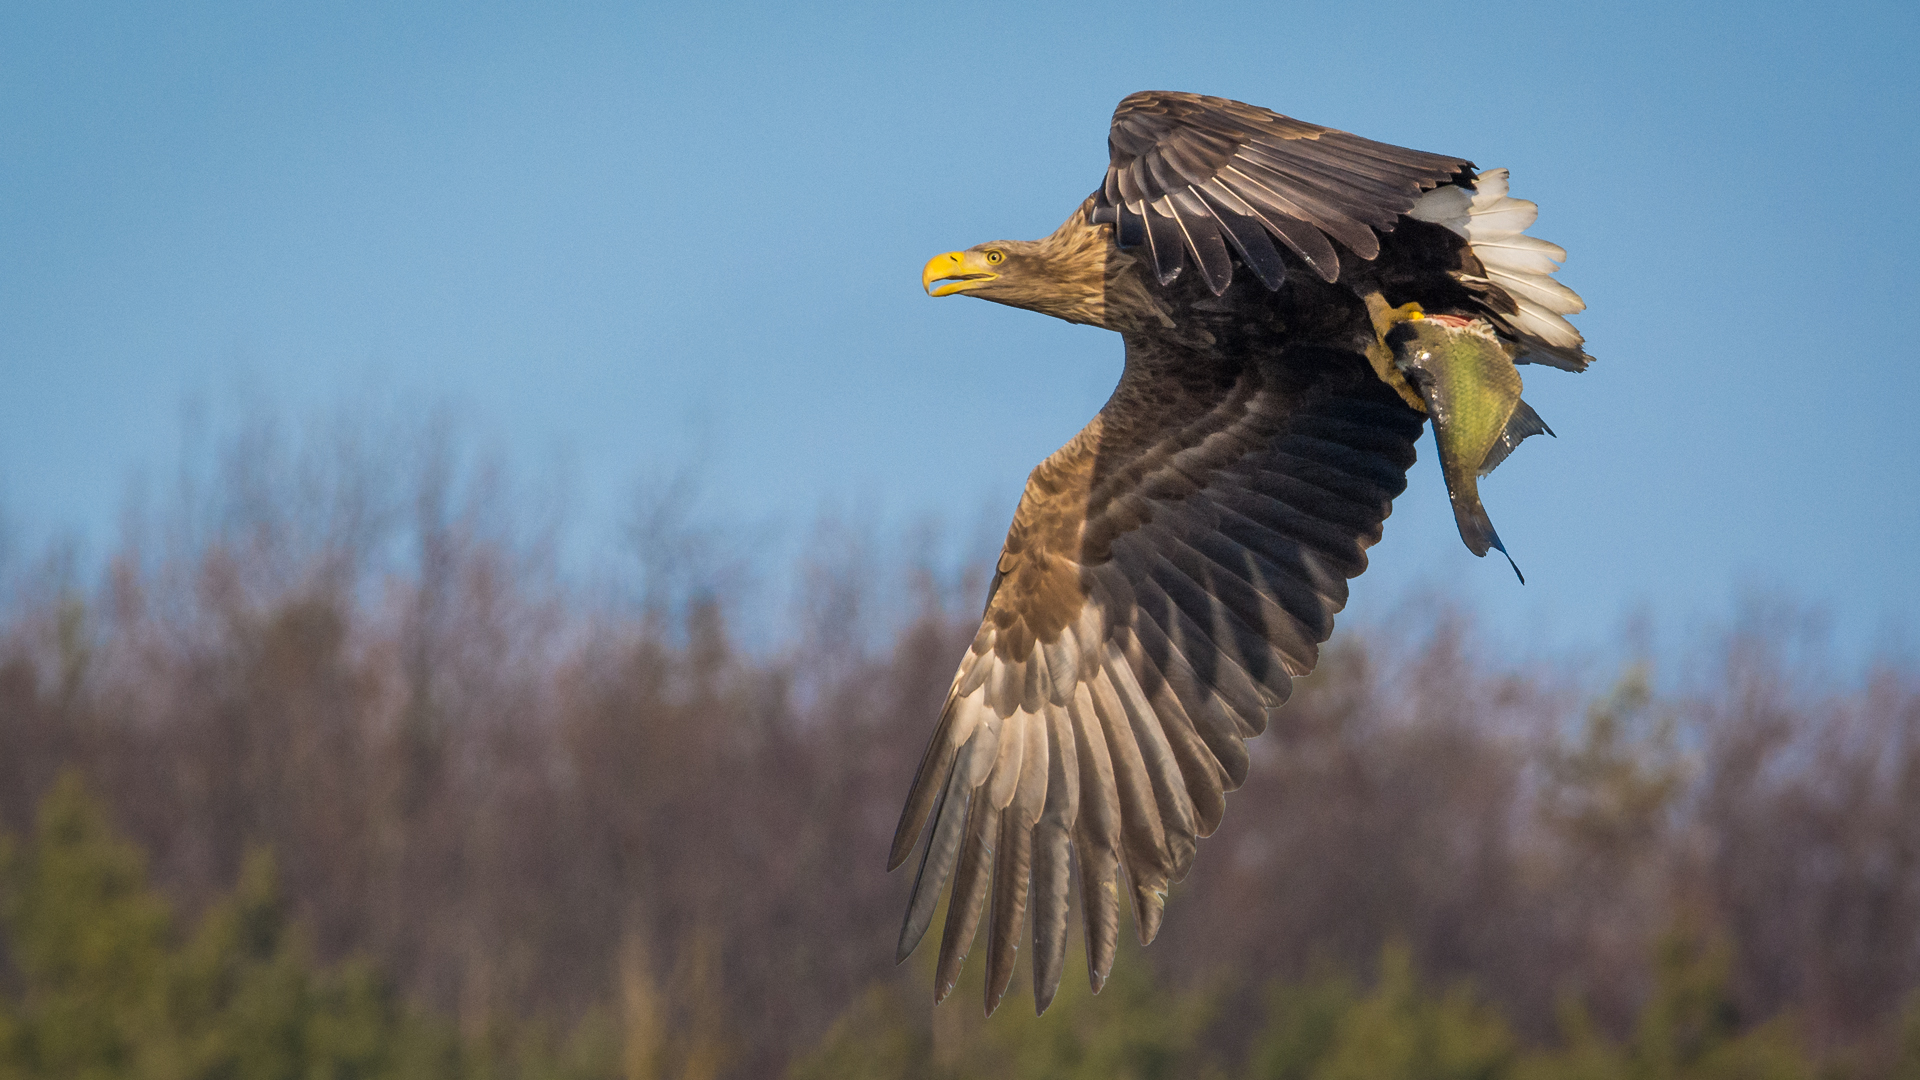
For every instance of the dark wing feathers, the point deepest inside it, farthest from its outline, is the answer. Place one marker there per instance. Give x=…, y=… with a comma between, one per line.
x=1189, y=174
x=1168, y=573
x=1247, y=227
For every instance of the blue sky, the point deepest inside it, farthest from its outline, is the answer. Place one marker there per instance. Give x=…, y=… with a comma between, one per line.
x=626, y=240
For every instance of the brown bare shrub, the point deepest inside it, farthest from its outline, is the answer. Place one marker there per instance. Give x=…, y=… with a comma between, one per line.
x=522, y=800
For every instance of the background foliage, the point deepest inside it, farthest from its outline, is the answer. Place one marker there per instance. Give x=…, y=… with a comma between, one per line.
x=329, y=774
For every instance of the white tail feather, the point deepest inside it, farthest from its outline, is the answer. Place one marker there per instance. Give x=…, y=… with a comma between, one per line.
x=1540, y=289
x=1521, y=253
x=1446, y=205
x=1548, y=326
x=1520, y=265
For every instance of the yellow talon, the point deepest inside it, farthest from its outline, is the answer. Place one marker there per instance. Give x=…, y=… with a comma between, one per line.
x=1380, y=356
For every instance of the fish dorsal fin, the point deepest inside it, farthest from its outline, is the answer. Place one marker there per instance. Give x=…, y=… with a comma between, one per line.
x=1522, y=423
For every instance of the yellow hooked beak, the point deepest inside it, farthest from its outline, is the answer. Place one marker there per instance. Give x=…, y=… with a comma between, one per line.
x=958, y=270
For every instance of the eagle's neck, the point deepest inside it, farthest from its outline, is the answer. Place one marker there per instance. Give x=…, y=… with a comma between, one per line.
x=1079, y=274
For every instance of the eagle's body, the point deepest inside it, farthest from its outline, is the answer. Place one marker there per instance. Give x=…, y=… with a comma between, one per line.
x=1173, y=567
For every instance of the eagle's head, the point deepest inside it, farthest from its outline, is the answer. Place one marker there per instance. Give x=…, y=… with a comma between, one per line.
x=1073, y=274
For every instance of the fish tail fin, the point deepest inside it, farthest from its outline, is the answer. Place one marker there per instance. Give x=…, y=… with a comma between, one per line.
x=1502, y=549
x=1476, y=528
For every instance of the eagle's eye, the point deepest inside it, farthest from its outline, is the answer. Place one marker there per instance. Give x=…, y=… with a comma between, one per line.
x=995, y=256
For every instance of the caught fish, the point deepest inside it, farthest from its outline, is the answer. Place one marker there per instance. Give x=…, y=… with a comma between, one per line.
x=1465, y=374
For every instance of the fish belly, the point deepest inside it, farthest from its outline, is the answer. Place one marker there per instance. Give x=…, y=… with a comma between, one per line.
x=1467, y=378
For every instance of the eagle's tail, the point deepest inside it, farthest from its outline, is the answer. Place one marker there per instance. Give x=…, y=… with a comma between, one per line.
x=1518, y=265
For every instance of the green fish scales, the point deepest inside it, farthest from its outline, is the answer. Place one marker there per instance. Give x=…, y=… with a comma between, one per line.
x=1466, y=376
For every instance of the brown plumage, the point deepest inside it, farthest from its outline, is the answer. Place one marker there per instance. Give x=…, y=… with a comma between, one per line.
x=1173, y=567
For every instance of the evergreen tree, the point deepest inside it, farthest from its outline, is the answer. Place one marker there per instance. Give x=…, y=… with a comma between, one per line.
x=104, y=992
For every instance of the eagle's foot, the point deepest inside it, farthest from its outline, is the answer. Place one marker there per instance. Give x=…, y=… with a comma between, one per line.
x=1380, y=355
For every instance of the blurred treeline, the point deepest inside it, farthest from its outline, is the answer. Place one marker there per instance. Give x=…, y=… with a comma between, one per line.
x=420, y=805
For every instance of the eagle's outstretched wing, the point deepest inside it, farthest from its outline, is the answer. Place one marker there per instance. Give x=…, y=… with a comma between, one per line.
x=1168, y=573
x=1190, y=174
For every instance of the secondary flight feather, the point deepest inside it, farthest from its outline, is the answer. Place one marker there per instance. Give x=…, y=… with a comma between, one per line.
x=1295, y=303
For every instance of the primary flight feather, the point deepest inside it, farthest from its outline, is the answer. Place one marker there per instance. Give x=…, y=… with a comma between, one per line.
x=1176, y=565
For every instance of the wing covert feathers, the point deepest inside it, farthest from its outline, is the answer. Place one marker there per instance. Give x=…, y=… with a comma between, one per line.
x=1167, y=575
x=1199, y=179
x=1191, y=174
